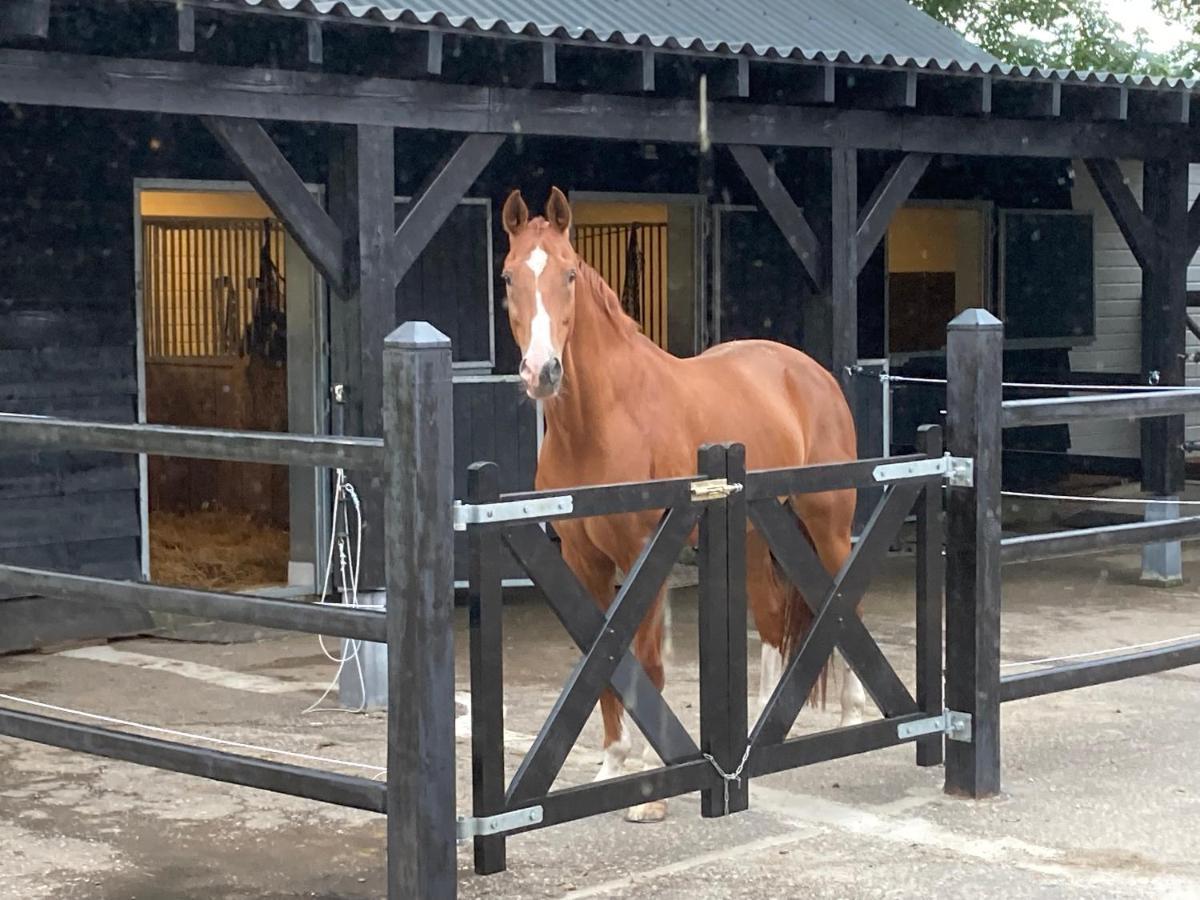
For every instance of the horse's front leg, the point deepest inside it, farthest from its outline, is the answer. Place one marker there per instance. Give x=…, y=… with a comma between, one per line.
x=595, y=572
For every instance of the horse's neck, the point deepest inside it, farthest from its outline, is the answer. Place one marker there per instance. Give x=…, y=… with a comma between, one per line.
x=606, y=363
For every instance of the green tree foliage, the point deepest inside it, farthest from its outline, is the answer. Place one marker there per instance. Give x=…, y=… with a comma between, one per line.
x=1188, y=12
x=1060, y=34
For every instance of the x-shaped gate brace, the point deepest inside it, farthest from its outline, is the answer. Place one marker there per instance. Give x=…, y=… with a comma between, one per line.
x=835, y=622
x=605, y=637
x=607, y=660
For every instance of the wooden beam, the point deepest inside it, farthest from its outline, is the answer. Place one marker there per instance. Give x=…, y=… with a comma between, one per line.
x=730, y=79
x=529, y=64
x=189, y=88
x=419, y=54
x=187, y=29
x=807, y=83
x=844, y=262
x=787, y=215
x=1164, y=311
x=435, y=203
x=315, y=41
x=893, y=190
x=877, y=89
x=638, y=73
x=1094, y=103
x=24, y=19
x=956, y=95
x=1134, y=225
x=1193, y=230
x=1027, y=99
x=264, y=166
x=1158, y=107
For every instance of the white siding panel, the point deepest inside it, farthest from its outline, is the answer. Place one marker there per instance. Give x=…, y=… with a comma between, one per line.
x=1118, y=346
x=1193, y=345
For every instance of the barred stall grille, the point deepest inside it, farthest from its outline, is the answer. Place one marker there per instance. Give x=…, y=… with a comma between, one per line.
x=632, y=257
x=201, y=279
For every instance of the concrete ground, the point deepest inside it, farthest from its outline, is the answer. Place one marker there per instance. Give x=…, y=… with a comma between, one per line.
x=1102, y=793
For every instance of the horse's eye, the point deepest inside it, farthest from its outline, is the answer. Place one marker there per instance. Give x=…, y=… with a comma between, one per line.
x=507, y=278
x=570, y=276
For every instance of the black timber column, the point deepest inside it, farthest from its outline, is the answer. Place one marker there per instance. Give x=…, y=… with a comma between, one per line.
x=362, y=190
x=1164, y=314
x=974, y=363
x=843, y=263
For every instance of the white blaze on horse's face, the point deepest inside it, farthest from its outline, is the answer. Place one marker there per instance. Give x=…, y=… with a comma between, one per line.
x=541, y=349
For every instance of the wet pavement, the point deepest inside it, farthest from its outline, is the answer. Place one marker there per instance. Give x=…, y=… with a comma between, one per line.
x=1102, y=794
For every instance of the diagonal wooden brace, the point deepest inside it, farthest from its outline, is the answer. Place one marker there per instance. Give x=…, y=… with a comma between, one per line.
x=800, y=563
x=594, y=671
x=802, y=566
x=835, y=623
x=284, y=191
x=439, y=198
x=1135, y=225
x=783, y=209
x=895, y=188
x=581, y=617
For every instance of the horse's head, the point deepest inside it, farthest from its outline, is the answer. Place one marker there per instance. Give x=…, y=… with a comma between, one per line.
x=539, y=277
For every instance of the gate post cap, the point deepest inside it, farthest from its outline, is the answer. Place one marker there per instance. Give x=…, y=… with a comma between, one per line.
x=417, y=336
x=974, y=318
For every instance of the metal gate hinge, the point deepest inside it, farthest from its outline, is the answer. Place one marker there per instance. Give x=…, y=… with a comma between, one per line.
x=955, y=725
x=466, y=514
x=469, y=826
x=959, y=471
x=712, y=489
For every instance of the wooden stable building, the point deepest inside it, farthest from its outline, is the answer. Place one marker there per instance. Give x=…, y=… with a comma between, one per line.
x=212, y=202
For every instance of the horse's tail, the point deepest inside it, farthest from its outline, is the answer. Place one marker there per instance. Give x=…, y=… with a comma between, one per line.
x=797, y=619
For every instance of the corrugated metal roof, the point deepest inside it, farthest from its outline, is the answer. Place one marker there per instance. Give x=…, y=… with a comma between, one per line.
x=890, y=33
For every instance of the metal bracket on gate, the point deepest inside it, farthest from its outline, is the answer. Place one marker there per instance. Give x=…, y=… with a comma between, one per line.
x=959, y=471
x=511, y=511
x=955, y=725
x=712, y=489
x=469, y=826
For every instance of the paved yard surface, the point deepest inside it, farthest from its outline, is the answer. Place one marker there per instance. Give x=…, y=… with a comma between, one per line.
x=1102, y=790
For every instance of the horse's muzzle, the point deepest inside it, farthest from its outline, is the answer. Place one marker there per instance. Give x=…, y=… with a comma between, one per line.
x=545, y=382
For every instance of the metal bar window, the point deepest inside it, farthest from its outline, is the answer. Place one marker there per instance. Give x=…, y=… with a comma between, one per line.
x=206, y=280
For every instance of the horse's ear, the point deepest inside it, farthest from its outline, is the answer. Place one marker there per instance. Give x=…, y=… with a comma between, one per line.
x=515, y=213
x=558, y=210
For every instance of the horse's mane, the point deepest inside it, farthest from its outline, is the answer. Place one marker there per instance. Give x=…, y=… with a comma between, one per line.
x=607, y=299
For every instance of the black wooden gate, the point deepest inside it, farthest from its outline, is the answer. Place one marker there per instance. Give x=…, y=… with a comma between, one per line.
x=722, y=499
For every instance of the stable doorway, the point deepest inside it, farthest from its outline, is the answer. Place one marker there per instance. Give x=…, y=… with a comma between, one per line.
x=228, y=318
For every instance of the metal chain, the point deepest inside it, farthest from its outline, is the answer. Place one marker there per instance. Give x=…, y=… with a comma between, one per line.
x=727, y=777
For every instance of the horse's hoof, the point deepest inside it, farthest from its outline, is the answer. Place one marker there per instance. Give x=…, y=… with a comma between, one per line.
x=655, y=811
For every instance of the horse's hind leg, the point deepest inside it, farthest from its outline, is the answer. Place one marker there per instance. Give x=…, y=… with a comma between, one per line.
x=767, y=599
x=647, y=647
x=829, y=518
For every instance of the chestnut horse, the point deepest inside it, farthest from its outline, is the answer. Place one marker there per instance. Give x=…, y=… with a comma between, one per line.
x=618, y=409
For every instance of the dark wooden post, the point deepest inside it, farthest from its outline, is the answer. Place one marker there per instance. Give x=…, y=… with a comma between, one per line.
x=843, y=261
x=487, y=671
x=1164, y=343
x=931, y=576
x=419, y=542
x=722, y=613
x=973, y=429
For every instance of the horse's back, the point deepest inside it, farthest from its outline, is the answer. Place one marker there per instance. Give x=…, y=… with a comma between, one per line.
x=777, y=400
